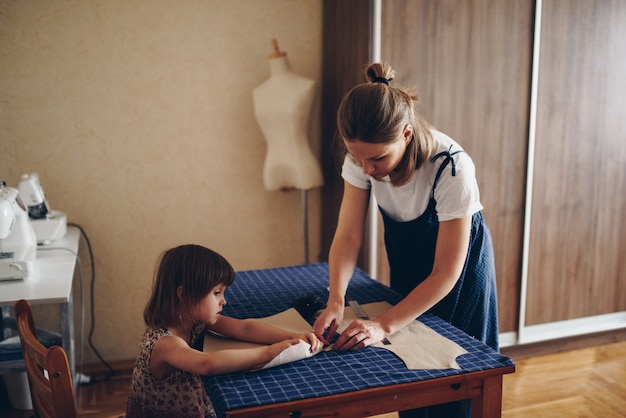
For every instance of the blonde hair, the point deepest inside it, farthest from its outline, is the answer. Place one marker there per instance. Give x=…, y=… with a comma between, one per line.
x=374, y=112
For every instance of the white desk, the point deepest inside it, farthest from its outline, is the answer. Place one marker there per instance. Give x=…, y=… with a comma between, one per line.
x=50, y=283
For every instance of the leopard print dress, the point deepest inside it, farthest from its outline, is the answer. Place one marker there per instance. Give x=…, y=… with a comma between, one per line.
x=181, y=394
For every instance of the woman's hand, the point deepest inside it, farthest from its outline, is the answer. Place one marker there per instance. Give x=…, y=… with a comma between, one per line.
x=329, y=319
x=360, y=333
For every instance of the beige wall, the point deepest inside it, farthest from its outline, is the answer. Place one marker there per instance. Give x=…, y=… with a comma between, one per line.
x=137, y=115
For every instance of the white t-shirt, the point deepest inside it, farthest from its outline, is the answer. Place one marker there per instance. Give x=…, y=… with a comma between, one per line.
x=456, y=196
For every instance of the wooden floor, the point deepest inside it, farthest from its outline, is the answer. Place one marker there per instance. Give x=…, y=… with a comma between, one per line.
x=589, y=382
x=582, y=383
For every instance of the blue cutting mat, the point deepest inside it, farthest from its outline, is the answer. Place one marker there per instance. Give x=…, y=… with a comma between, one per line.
x=261, y=293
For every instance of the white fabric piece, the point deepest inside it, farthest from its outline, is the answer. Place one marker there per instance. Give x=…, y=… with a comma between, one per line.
x=296, y=352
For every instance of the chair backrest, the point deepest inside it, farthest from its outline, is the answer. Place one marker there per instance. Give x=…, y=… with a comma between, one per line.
x=48, y=371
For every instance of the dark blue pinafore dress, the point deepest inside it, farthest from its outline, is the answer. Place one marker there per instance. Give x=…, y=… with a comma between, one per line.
x=472, y=304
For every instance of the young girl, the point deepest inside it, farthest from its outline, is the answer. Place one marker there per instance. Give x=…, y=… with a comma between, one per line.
x=187, y=298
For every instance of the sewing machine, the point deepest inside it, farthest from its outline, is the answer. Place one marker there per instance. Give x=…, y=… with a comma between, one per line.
x=18, y=244
x=48, y=225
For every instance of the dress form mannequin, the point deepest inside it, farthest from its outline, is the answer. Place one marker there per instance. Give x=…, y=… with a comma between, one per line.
x=282, y=105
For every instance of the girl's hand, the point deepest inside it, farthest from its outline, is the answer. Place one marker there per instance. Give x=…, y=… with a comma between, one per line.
x=329, y=319
x=360, y=333
x=312, y=340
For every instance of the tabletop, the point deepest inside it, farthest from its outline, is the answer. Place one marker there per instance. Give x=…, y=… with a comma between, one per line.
x=261, y=293
x=53, y=274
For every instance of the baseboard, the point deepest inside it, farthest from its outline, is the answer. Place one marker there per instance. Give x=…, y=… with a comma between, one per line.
x=572, y=327
x=565, y=335
x=120, y=368
x=521, y=351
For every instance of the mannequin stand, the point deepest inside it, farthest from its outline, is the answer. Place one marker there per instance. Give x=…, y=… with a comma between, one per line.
x=305, y=223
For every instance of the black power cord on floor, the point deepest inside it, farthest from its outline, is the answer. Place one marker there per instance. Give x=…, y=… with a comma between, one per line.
x=91, y=297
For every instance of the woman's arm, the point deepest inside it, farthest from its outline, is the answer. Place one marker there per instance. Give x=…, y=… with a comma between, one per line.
x=450, y=254
x=342, y=257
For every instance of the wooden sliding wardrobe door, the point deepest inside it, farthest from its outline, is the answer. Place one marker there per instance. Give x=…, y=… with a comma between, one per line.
x=347, y=47
x=470, y=62
x=578, y=228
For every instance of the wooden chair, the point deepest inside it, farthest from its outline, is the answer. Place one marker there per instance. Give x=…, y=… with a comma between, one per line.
x=49, y=375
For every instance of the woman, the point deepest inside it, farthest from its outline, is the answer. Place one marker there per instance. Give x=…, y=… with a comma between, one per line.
x=438, y=244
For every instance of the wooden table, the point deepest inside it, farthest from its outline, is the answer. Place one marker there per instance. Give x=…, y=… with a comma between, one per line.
x=366, y=382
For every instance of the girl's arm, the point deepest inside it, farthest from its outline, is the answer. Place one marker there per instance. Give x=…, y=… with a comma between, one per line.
x=259, y=332
x=173, y=352
x=450, y=254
